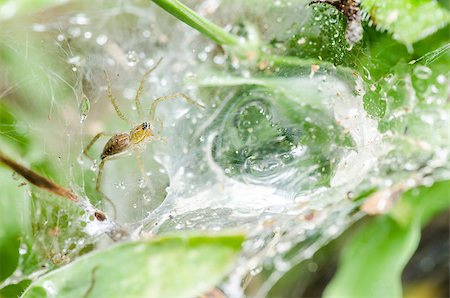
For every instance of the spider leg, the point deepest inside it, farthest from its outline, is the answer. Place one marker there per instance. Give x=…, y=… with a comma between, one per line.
x=147, y=184
x=92, y=142
x=98, y=185
x=137, y=99
x=160, y=139
x=141, y=167
x=112, y=99
x=157, y=101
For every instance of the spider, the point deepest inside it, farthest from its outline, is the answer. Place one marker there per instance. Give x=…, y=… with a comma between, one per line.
x=135, y=140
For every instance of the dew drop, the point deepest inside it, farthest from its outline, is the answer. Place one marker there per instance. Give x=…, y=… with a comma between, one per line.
x=146, y=34
x=422, y=72
x=84, y=108
x=256, y=270
x=202, y=56
x=132, y=58
x=80, y=159
x=94, y=166
x=39, y=27
x=141, y=183
x=120, y=185
x=74, y=60
x=441, y=79
x=101, y=39
x=80, y=19
x=88, y=35
x=23, y=249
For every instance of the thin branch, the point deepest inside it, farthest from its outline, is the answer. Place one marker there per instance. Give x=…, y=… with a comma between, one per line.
x=116, y=232
x=38, y=180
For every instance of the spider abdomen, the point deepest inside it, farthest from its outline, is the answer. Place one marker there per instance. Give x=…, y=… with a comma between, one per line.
x=118, y=143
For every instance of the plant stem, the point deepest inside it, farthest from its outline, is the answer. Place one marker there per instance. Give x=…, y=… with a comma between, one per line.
x=237, y=44
x=204, y=26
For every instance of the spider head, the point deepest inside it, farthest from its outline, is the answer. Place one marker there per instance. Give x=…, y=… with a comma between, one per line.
x=141, y=133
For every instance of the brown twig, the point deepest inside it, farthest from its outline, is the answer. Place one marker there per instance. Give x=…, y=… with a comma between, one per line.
x=115, y=233
x=38, y=180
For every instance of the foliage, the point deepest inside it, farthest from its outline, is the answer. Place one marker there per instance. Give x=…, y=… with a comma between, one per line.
x=408, y=21
x=379, y=251
x=171, y=266
x=400, y=69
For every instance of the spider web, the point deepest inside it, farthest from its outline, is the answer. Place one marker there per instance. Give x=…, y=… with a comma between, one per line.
x=212, y=173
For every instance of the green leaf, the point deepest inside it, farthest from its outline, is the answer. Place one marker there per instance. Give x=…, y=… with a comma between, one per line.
x=14, y=290
x=170, y=266
x=408, y=20
x=423, y=203
x=373, y=261
x=10, y=223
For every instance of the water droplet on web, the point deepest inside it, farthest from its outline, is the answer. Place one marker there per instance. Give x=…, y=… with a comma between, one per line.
x=79, y=19
x=132, y=58
x=202, y=56
x=141, y=183
x=120, y=185
x=441, y=79
x=80, y=159
x=23, y=249
x=146, y=198
x=74, y=31
x=94, y=166
x=84, y=108
x=422, y=72
x=39, y=27
x=88, y=35
x=101, y=39
x=256, y=270
x=146, y=34
x=219, y=59
x=74, y=60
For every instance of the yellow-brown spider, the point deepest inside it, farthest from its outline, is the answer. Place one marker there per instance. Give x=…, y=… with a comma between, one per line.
x=135, y=140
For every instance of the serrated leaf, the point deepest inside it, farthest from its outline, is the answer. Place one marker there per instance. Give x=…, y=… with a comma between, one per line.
x=408, y=20
x=172, y=266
